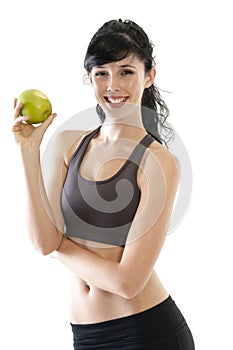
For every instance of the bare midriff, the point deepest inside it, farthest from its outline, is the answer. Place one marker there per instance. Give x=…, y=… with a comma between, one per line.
x=89, y=304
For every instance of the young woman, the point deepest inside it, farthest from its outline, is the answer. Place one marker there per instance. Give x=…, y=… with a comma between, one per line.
x=109, y=199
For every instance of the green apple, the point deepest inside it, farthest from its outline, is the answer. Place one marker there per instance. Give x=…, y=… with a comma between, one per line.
x=36, y=106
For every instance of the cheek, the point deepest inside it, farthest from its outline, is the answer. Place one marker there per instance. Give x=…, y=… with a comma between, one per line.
x=96, y=88
x=99, y=91
x=137, y=87
x=130, y=86
x=99, y=85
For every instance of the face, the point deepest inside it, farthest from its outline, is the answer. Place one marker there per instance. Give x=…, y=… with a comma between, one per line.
x=120, y=83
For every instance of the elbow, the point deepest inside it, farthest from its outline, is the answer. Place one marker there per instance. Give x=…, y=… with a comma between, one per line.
x=130, y=289
x=129, y=293
x=46, y=247
x=129, y=284
x=45, y=251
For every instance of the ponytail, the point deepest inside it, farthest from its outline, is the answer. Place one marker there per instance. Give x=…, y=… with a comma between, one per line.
x=154, y=115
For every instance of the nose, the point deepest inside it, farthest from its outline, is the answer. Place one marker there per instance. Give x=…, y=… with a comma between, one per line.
x=112, y=84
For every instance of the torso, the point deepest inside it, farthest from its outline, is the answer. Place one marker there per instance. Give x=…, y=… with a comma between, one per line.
x=92, y=305
x=87, y=303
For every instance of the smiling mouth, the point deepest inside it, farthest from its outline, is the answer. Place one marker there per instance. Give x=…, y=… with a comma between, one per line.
x=115, y=100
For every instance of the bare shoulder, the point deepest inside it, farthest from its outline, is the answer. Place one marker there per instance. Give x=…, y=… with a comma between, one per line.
x=159, y=161
x=67, y=141
x=163, y=157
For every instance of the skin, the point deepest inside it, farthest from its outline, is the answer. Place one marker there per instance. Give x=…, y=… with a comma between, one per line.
x=107, y=282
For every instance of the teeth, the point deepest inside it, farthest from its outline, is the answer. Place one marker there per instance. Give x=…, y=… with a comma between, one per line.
x=116, y=100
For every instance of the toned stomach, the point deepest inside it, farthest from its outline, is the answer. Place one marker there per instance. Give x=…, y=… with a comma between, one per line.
x=88, y=304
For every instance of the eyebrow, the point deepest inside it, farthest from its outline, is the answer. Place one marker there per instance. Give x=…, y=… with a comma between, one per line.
x=122, y=66
x=127, y=65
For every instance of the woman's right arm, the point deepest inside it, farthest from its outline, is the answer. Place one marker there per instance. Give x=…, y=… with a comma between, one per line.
x=43, y=230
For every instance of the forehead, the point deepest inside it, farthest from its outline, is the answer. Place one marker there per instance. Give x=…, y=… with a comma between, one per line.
x=129, y=61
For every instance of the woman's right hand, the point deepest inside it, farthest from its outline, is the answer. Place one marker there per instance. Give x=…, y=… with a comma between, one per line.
x=26, y=134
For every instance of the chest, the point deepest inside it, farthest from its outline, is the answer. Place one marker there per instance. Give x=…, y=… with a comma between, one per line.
x=102, y=161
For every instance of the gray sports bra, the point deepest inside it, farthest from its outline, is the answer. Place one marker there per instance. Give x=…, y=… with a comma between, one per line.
x=102, y=211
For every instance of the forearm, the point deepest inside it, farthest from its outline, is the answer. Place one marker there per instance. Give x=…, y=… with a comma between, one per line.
x=44, y=234
x=92, y=268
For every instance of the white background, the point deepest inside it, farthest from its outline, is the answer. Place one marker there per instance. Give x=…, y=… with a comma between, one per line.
x=42, y=46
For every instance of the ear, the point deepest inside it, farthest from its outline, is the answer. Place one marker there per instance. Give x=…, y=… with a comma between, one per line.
x=89, y=77
x=150, y=77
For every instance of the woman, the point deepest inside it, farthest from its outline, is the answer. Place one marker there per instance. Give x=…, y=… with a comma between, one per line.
x=109, y=199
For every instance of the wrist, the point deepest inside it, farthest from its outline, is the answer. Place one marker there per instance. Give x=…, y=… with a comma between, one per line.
x=29, y=150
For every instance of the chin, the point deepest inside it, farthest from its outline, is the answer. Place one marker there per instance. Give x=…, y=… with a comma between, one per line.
x=124, y=111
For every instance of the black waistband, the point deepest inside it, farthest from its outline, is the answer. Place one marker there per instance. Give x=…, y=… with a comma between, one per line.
x=155, y=323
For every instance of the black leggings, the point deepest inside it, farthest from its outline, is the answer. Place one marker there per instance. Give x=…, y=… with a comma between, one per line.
x=162, y=327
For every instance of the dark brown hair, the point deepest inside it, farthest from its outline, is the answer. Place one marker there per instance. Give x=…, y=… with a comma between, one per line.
x=116, y=40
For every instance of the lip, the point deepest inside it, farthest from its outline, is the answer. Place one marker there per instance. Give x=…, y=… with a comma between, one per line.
x=116, y=101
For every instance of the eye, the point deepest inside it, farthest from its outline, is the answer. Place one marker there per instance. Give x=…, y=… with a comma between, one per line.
x=100, y=74
x=127, y=72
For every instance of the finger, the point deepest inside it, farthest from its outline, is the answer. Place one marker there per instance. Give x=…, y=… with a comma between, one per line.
x=20, y=119
x=17, y=110
x=15, y=102
x=18, y=123
x=47, y=122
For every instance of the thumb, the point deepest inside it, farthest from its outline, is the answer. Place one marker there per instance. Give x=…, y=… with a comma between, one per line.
x=49, y=120
x=43, y=127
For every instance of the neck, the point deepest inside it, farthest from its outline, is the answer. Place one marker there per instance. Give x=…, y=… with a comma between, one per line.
x=123, y=125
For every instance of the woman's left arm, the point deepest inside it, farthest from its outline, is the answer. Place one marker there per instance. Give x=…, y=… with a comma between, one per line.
x=158, y=182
